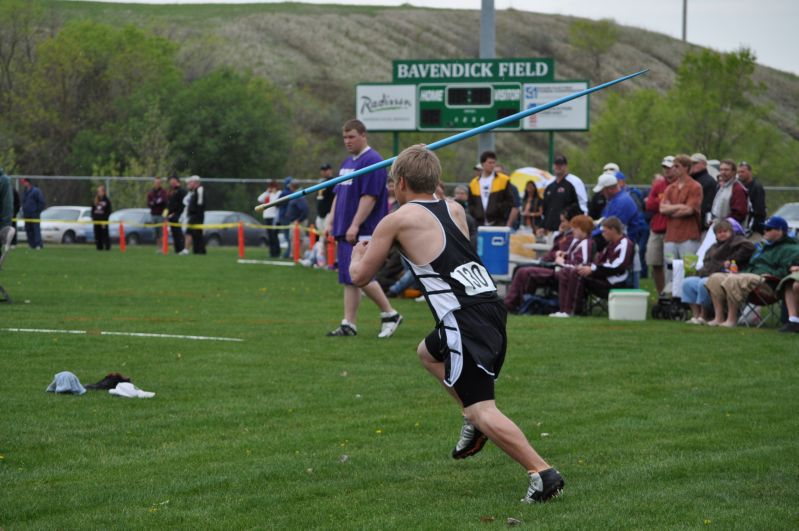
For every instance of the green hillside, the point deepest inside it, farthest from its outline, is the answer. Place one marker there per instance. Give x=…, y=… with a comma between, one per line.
x=317, y=54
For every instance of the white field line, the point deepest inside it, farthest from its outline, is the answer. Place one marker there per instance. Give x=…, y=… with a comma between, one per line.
x=133, y=334
x=266, y=262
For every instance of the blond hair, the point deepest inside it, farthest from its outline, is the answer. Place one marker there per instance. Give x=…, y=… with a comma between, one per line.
x=420, y=167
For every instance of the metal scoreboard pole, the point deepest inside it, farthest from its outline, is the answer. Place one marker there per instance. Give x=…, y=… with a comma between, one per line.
x=488, y=50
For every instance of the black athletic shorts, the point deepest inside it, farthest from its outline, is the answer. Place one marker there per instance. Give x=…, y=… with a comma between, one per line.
x=483, y=340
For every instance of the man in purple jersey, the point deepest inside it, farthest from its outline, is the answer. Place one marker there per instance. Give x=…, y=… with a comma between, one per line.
x=358, y=207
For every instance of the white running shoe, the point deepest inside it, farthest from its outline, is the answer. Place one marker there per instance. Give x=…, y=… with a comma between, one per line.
x=390, y=323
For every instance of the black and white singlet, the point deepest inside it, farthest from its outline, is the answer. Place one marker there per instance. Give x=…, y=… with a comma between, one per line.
x=455, y=279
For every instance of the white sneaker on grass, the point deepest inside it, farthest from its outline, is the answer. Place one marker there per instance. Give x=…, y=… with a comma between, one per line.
x=389, y=323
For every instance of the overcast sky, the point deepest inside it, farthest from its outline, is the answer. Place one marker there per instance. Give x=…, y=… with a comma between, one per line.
x=768, y=27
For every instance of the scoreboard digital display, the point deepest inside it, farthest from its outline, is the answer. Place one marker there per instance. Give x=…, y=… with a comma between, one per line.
x=463, y=106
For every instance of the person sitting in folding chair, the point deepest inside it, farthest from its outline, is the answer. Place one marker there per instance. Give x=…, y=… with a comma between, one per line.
x=772, y=261
x=610, y=269
x=6, y=228
x=789, y=288
x=528, y=278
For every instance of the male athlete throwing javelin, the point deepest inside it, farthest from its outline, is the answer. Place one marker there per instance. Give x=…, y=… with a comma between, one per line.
x=467, y=348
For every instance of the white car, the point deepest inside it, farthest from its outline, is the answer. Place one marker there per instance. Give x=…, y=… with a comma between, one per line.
x=63, y=224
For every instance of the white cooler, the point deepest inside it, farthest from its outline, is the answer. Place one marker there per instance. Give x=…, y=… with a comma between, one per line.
x=627, y=304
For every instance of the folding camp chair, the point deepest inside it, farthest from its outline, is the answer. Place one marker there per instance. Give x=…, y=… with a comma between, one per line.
x=763, y=303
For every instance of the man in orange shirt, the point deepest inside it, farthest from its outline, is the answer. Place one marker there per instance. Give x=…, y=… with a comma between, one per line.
x=682, y=204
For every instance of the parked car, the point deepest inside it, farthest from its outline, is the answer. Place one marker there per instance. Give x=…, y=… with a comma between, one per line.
x=253, y=236
x=133, y=218
x=62, y=224
x=790, y=211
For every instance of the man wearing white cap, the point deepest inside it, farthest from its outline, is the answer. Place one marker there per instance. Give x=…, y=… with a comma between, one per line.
x=620, y=205
x=657, y=223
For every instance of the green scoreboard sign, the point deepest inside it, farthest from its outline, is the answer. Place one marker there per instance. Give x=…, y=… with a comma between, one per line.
x=451, y=94
x=462, y=106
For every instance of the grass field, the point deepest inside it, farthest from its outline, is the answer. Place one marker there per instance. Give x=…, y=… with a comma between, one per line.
x=654, y=425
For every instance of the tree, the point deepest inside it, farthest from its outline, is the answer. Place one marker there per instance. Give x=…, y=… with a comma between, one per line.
x=595, y=38
x=713, y=97
x=629, y=133
x=87, y=82
x=18, y=20
x=710, y=109
x=230, y=125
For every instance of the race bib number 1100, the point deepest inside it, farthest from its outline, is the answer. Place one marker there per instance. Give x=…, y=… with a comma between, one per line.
x=474, y=278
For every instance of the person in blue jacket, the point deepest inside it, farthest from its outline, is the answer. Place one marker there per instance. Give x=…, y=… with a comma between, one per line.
x=32, y=205
x=621, y=205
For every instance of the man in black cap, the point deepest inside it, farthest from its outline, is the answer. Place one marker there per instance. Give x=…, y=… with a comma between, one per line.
x=324, y=198
x=558, y=196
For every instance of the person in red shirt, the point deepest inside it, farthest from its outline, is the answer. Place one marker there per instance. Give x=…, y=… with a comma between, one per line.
x=682, y=206
x=657, y=223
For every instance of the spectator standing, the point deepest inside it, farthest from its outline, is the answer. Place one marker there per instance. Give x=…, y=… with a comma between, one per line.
x=358, y=206
x=32, y=205
x=271, y=194
x=17, y=206
x=621, y=205
x=297, y=212
x=101, y=211
x=560, y=195
x=157, y=203
x=597, y=203
x=657, y=223
x=774, y=257
x=561, y=167
x=184, y=223
x=532, y=211
x=196, y=213
x=709, y=186
x=682, y=206
x=175, y=208
x=6, y=203
x=731, y=197
x=461, y=196
x=281, y=214
x=324, y=198
x=491, y=199
x=757, y=200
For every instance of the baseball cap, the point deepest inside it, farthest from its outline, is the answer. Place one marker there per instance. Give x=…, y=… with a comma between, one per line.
x=698, y=157
x=325, y=166
x=776, y=222
x=668, y=161
x=610, y=167
x=620, y=176
x=605, y=180
x=478, y=166
x=560, y=159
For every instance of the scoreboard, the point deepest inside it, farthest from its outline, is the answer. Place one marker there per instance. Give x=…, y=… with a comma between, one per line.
x=461, y=94
x=463, y=106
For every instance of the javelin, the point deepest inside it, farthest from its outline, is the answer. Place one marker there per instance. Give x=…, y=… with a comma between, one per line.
x=446, y=141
